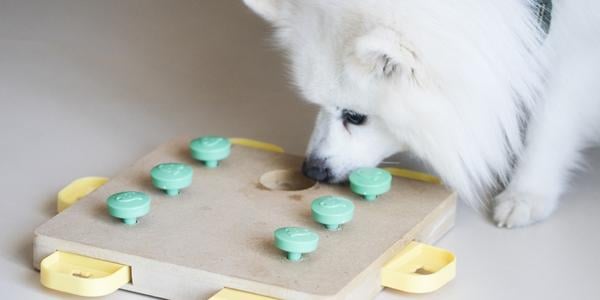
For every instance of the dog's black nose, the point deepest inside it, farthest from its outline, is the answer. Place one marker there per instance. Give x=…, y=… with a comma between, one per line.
x=316, y=168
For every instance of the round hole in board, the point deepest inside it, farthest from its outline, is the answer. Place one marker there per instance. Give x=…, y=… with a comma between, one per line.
x=286, y=180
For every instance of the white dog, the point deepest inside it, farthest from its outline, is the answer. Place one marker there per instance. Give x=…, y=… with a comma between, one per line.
x=479, y=89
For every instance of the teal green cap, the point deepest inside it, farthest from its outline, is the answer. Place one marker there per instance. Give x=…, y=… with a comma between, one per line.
x=210, y=149
x=128, y=206
x=332, y=211
x=296, y=241
x=171, y=177
x=370, y=182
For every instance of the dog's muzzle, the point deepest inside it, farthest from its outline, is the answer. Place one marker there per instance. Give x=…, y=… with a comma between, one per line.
x=316, y=168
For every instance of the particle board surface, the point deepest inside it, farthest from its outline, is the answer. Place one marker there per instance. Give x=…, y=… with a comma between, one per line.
x=219, y=232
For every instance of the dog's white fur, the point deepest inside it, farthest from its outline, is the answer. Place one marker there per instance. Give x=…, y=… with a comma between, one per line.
x=454, y=82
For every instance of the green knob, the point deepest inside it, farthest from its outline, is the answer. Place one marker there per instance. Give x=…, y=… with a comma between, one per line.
x=370, y=182
x=210, y=149
x=128, y=206
x=171, y=177
x=296, y=241
x=332, y=211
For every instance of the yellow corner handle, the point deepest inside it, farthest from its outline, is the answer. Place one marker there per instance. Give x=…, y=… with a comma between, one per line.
x=414, y=175
x=81, y=275
x=231, y=294
x=419, y=268
x=256, y=144
x=76, y=190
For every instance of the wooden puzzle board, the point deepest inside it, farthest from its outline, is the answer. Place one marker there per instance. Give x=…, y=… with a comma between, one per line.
x=219, y=232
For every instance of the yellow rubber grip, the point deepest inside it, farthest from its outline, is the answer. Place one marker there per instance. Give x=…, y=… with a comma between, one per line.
x=419, y=268
x=231, y=294
x=256, y=144
x=76, y=190
x=82, y=275
x=414, y=175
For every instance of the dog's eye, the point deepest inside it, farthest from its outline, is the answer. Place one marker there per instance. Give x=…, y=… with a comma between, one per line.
x=352, y=117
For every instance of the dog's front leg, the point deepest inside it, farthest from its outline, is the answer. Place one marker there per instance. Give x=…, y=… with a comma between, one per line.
x=560, y=128
x=542, y=174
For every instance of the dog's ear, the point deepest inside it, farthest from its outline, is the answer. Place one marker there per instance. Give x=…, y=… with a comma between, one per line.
x=268, y=9
x=383, y=53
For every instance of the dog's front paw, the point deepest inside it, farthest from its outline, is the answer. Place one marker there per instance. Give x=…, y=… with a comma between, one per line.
x=517, y=209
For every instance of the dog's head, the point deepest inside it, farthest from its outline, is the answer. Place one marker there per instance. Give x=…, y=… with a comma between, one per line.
x=448, y=81
x=347, y=66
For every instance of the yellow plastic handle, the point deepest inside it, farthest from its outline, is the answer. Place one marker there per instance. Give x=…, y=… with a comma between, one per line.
x=414, y=175
x=419, y=268
x=231, y=294
x=82, y=275
x=76, y=190
x=256, y=144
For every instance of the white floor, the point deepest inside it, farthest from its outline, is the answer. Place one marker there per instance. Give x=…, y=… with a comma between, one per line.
x=87, y=87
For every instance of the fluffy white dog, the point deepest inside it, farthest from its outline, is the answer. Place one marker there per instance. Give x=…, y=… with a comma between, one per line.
x=479, y=89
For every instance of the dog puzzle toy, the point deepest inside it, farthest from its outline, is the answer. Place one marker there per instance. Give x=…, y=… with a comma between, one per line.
x=259, y=189
x=210, y=149
x=128, y=206
x=332, y=211
x=172, y=177
x=370, y=182
x=296, y=241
